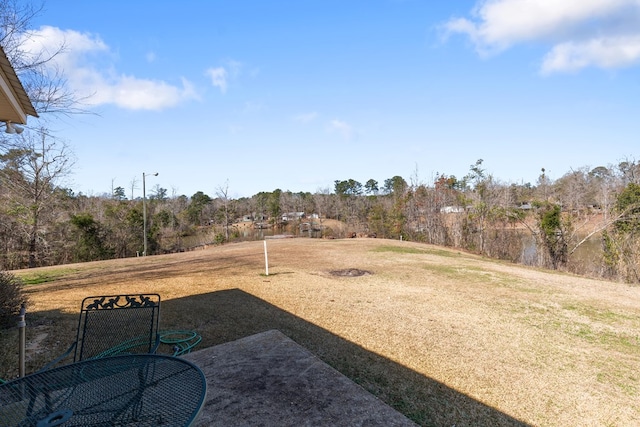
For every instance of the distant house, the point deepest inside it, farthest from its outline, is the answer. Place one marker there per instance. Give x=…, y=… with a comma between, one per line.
x=254, y=217
x=451, y=209
x=292, y=216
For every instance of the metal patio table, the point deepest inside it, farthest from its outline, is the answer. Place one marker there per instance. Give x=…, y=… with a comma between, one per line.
x=128, y=390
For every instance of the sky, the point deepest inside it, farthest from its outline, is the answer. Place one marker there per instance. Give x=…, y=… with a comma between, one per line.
x=253, y=95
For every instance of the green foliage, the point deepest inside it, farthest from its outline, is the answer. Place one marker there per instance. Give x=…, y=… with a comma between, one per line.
x=610, y=254
x=347, y=188
x=610, y=250
x=121, y=227
x=397, y=218
x=164, y=218
x=118, y=194
x=198, y=203
x=378, y=221
x=159, y=193
x=550, y=221
x=90, y=244
x=273, y=205
x=621, y=248
x=235, y=233
x=395, y=185
x=477, y=177
x=45, y=276
x=628, y=204
x=371, y=187
x=12, y=298
x=554, y=233
x=261, y=201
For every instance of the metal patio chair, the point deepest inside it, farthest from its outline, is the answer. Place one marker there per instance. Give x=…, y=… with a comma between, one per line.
x=113, y=325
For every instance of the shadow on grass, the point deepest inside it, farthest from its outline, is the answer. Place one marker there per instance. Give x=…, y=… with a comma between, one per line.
x=225, y=316
x=229, y=315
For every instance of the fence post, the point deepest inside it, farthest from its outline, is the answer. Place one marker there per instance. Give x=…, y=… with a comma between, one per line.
x=22, y=326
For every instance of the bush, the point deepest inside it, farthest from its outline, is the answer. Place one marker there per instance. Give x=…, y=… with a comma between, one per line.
x=219, y=239
x=11, y=299
x=328, y=232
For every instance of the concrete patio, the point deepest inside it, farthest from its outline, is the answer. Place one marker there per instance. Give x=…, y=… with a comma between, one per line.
x=269, y=380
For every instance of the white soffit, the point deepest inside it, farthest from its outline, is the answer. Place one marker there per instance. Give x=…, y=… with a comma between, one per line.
x=15, y=104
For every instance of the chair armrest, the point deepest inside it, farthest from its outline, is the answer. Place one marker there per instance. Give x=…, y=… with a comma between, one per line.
x=126, y=347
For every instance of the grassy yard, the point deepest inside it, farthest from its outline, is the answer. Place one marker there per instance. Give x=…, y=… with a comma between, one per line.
x=446, y=338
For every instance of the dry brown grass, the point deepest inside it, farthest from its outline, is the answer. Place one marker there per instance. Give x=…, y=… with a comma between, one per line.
x=446, y=338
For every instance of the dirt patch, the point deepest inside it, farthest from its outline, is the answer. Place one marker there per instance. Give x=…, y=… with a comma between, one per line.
x=36, y=344
x=350, y=272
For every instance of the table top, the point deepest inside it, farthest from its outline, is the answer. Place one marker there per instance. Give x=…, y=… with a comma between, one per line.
x=140, y=390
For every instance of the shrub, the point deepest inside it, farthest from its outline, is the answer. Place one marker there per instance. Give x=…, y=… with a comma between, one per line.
x=219, y=239
x=328, y=232
x=11, y=299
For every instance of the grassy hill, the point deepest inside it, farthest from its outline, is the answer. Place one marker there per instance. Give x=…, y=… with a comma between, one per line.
x=447, y=338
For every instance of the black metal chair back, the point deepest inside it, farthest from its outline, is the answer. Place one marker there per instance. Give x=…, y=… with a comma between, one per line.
x=117, y=324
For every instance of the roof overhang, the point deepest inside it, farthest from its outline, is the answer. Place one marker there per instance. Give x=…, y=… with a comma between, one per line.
x=15, y=104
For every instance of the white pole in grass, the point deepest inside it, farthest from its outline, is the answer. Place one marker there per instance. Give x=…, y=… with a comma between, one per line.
x=266, y=258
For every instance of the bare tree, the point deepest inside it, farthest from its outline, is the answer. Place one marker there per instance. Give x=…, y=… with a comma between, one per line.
x=44, y=83
x=222, y=192
x=630, y=171
x=133, y=184
x=30, y=175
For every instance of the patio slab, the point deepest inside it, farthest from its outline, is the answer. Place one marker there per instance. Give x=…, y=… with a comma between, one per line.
x=267, y=379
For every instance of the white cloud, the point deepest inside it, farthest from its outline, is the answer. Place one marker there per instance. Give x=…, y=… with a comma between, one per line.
x=139, y=94
x=49, y=40
x=582, y=33
x=342, y=128
x=218, y=78
x=603, y=53
x=306, y=117
x=87, y=64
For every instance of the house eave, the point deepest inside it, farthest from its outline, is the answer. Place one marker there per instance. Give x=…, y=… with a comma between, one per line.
x=15, y=104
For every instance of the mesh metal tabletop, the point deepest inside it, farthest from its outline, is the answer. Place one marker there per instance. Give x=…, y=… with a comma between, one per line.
x=140, y=390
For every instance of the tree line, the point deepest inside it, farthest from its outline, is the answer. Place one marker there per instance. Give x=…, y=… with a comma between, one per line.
x=542, y=225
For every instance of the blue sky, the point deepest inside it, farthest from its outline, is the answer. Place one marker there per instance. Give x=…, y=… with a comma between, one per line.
x=260, y=95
